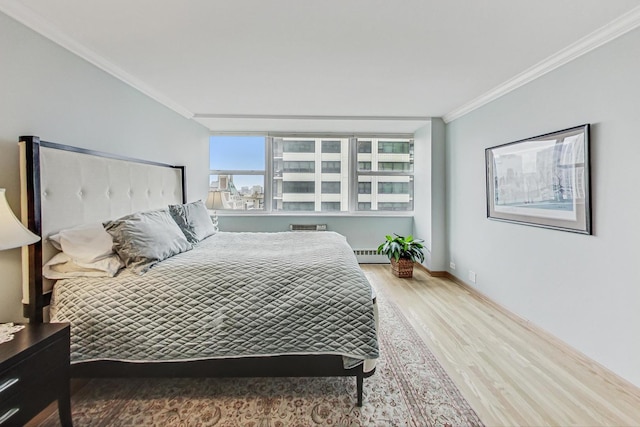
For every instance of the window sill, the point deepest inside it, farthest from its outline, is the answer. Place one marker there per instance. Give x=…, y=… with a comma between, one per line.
x=384, y=214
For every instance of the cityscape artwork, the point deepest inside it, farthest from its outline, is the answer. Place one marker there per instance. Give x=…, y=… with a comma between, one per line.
x=542, y=181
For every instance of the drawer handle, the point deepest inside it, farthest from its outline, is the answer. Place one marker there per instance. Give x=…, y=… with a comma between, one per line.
x=10, y=413
x=8, y=383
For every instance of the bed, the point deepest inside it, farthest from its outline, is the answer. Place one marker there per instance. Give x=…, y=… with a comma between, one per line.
x=233, y=304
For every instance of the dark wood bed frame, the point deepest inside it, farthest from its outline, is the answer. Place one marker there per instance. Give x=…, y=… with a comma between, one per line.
x=273, y=366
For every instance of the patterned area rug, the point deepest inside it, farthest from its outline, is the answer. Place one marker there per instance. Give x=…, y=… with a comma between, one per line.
x=409, y=388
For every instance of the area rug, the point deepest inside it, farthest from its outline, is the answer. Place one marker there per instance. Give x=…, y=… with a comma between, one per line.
x=409, y=388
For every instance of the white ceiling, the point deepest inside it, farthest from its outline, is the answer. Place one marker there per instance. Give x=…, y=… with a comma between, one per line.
x=329, y=65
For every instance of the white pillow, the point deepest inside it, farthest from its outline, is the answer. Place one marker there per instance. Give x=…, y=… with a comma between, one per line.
x=86, y=243
x=62, y=266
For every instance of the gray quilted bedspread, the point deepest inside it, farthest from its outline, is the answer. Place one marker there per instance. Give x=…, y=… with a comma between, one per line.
x=233, y=295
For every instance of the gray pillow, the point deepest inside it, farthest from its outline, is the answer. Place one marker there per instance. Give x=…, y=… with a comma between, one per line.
x=194, y=220
x=143, y=239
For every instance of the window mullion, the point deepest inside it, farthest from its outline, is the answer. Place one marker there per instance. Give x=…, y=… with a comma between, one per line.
x=353, y=175
x=268, y=175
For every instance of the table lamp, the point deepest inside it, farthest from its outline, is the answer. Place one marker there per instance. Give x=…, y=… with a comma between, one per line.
x=12, y=233
x=214, y=200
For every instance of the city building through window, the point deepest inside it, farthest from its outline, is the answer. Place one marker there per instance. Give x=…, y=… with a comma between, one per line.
x=312, y=173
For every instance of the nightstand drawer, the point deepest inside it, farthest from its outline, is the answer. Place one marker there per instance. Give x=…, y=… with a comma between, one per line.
x=10, y=411
x=32, y=383
x=35, y=372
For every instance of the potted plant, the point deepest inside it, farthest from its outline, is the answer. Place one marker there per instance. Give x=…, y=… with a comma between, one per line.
x=402, y=252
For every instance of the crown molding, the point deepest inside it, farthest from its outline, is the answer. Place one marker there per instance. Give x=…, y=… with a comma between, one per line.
x=309, y=117
x=21, y=13
x=601, y=36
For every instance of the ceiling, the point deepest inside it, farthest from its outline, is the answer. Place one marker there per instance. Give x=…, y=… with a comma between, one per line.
x=330, y=65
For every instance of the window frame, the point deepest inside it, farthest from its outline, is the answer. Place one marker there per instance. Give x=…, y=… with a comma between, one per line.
x=353, y=172
x=267, y=174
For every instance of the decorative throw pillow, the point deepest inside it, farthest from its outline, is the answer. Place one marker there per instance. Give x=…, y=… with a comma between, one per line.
x=194, y=220
x=143, y=239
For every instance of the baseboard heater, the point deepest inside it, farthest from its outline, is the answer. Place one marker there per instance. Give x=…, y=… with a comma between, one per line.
x=365, y=252
x=370, y=256
x=308, y=227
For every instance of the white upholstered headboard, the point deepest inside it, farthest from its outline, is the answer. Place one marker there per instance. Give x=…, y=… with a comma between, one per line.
x=67, y=186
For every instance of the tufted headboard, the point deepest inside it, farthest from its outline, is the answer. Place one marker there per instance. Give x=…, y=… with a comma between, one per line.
x=64, y=186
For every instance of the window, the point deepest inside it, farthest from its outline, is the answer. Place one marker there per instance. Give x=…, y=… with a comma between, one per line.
x=393, y=206
x=393, y=188
x=292, y=146
x=330, y=206
x=330, y=146
x=299, y=206
x=364, y=146
x=314, y=174
x=237, y=179
x=294, y=166
x=330, y=187
x=395, y=166
x=299, y=187
x=364, y=188
x=304, y=161
x=331, y=167
x=401, y=147
x=364, y=166
x=385, y=174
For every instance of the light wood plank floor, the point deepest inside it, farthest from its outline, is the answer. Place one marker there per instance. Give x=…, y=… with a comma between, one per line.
x=512, y=374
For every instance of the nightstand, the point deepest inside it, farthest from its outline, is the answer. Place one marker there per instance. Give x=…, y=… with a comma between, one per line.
x=34, y=371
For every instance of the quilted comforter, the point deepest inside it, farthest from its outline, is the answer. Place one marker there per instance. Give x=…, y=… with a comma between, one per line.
x=233, y=295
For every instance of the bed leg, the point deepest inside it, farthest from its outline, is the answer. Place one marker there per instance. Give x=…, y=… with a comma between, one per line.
x=359, y=381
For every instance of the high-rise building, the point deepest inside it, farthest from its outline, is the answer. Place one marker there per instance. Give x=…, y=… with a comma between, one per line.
x=382, y=191
x=312, y=174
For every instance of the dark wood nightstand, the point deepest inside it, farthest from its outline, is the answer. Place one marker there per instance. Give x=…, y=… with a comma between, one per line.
x=34, y=371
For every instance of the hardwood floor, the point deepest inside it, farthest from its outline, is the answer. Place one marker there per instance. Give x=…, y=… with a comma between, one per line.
x=511, y=373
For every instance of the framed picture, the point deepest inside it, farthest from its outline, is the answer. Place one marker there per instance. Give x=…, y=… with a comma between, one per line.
x=542, y=181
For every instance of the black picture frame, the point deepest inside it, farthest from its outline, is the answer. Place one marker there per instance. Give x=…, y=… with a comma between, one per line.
x=542, y=181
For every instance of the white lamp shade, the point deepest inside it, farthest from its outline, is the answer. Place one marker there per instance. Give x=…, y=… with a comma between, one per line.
x=12, y=233
x=214, y=200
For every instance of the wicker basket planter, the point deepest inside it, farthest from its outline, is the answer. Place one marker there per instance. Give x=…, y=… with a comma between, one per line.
x=406, y=250
x=402, y=268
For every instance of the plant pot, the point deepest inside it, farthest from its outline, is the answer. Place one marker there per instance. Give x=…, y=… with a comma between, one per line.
x=402, y=268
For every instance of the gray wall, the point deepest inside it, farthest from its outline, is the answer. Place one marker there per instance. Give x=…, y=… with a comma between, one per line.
x=48, y=92
x=583, y=289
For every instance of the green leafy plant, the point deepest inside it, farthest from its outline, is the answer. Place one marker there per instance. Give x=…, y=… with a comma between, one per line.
x=402, y=247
